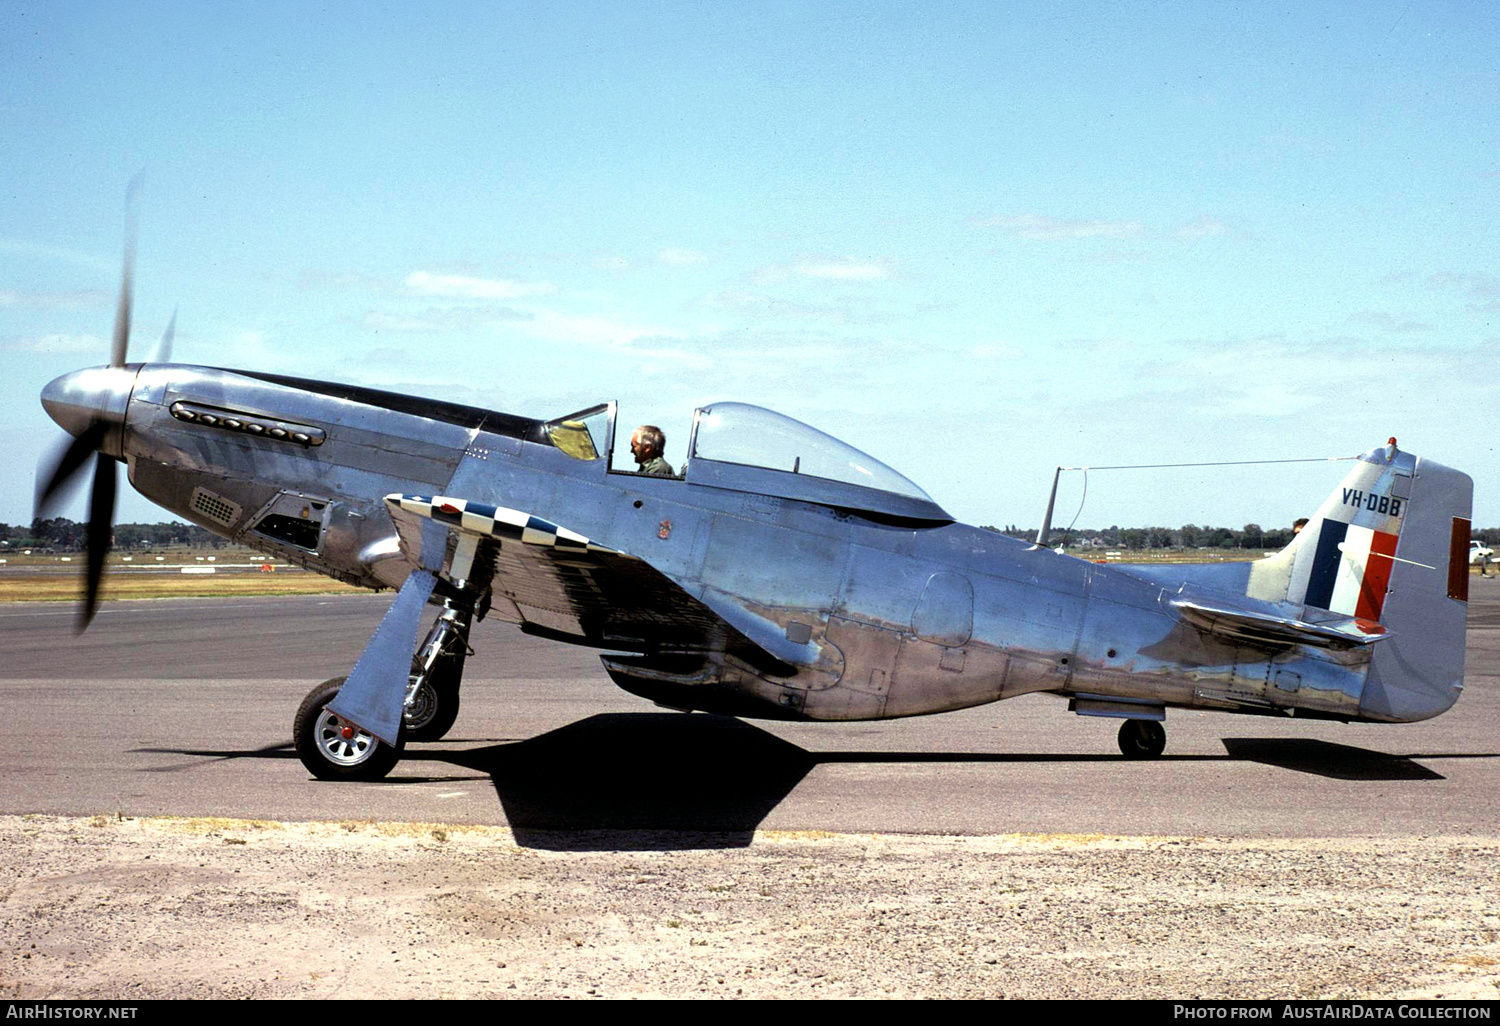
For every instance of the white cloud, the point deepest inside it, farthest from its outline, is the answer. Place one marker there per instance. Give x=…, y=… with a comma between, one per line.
x=388, y=355
x=1273, y=399
x=1202, y=228
x=59, y=344
x=250, y=348
x=1053, y=229
x=379, y=321
x=53, y=300
x=347, y=281
x=761, y=306
x=681, y=257
x=1041, y=228
x=443, y=319
x=1483, y=289
x=755, y=307
x=110, y=266
x=1390, y=322
x=993, y=351
x=1484, y=286
x=461, y=287
x=847, y=269
x=775, y=274
x=596, y=332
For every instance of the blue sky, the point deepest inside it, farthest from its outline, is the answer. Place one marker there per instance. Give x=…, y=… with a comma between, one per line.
x=975, y=240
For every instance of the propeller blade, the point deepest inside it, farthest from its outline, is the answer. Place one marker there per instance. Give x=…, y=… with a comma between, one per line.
x=121, y=340
x=100, y=532
x=163, y=351
x=69, y=463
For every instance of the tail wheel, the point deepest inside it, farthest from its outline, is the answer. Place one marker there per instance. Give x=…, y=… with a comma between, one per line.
x=1142, y=739
x=333, y=749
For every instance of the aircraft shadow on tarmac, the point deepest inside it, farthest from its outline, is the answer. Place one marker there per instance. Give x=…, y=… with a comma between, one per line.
x=708, y=781
x=1328, y=759
x=643, y=780
x=623, y=781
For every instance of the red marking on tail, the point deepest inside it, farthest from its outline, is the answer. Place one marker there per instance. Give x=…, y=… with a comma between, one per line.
x=1376, y=577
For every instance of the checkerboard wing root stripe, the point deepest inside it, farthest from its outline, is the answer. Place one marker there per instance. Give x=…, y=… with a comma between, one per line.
x=494, y=522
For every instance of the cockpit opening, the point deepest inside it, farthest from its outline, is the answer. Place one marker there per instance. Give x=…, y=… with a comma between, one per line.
x=591, y=435
x=735, y=445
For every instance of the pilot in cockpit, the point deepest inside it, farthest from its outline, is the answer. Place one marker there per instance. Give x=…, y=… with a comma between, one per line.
x=647, y=445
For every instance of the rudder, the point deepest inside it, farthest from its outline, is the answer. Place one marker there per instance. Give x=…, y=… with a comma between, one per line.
x=1419, y=672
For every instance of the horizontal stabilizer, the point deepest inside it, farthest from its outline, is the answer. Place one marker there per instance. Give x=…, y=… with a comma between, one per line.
x=1268, y=629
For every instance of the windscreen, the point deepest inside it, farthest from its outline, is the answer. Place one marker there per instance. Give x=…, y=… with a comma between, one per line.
x=582, y=435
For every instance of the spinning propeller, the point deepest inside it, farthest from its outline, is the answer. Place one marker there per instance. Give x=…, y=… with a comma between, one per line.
x=90, y=405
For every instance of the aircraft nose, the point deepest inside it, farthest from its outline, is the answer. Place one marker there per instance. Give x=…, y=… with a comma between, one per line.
x=81, y=398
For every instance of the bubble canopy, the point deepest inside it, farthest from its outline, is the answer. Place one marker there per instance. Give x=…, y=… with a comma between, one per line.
x=747, y=448
x=751, y=436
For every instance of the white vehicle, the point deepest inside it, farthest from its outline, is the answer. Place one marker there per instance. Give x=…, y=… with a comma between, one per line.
x=1480, y=553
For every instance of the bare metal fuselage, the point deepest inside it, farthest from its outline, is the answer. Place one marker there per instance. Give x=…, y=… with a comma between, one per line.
x=864, y=613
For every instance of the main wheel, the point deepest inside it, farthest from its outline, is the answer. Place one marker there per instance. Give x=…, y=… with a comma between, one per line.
x=434, y=708
x=1142, y=739
x=334, y=750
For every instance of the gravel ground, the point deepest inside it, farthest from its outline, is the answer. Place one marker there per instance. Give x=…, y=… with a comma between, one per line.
x=110, y=908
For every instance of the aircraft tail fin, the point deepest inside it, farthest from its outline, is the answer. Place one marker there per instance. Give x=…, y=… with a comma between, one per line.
x=1389, y=546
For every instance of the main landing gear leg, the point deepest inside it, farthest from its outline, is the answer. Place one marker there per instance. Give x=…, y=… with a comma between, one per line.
x=436, y=671
x=332, y=748
x=1142, y=739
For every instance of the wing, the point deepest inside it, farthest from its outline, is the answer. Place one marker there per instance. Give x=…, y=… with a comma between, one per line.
x=556, y=583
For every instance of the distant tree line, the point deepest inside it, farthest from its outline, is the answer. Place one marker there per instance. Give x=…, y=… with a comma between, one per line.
x=63, y=535
x=1188, y=536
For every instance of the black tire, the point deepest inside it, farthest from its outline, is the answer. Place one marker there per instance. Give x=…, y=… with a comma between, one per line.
x=435, y=709
x=1142, y=739
x=316, y=733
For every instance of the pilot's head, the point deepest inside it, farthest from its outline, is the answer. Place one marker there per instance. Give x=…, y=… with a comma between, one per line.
x=647, y=442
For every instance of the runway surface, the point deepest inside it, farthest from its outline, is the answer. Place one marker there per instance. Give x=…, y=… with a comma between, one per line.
x=184, y=707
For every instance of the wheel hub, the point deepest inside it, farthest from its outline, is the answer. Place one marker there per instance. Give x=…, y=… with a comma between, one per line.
x=343, y=743
x=421, y=706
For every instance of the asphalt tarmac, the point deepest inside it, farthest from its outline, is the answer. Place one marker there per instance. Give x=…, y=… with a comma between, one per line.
x=184, y=707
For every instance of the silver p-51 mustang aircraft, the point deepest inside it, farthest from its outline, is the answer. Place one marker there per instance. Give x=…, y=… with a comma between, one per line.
x=783, y=574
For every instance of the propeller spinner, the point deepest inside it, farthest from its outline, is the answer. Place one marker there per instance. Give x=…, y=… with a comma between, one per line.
x=90, y=405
